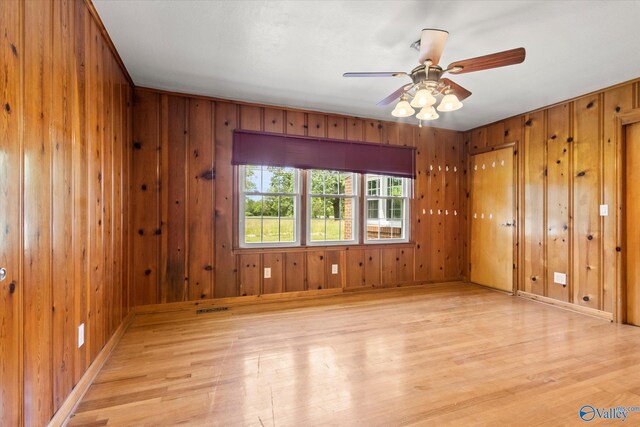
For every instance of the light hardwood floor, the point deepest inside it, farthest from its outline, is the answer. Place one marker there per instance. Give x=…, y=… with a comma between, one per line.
x=451, y=354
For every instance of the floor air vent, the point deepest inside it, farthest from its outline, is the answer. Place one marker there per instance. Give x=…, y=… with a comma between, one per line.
x=211, y=310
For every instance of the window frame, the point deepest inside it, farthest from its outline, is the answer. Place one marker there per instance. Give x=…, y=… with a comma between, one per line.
x=406, y=215
x=302, y=211
x=355, y=227
x=297, y=207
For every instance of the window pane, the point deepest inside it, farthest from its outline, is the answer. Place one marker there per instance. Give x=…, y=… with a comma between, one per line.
x=331, y=182
x=346, y=229
x=334, y=207
x=252, y=178
x=333, y=230
x=373, y=186
x=286, y=207
x=287, y=233
x=317, y=231
x=252, y=230
x=396, y=229
x=253, y=206
x=278, y=180
x=373, y=209
x=270, y=230
x=317, y=182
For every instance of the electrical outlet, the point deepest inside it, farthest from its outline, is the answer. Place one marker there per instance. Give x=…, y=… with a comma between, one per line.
x=267, y=273
x=334, y=268
x=559, y=278
x=81, y=335
x=604, y=210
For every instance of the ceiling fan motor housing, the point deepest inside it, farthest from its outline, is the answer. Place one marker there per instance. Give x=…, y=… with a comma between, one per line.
x=426, y=74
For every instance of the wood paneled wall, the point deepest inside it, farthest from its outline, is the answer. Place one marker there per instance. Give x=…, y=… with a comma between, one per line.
x=568, y=161
x=64, y=172
x=184, y=214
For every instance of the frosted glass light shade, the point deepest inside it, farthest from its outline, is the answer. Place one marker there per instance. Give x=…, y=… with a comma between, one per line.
x=427, y=113
x=450, y=102
x=403, y=109
x=423, y=98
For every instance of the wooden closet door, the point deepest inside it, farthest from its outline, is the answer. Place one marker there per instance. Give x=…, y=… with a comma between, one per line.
x=632, y=224
x=492, y=219
x=10, y=235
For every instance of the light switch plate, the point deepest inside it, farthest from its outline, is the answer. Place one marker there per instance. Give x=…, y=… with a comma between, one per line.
x=604, y=210
x=81, y=335
x=267, y=272
x=334, y=268
x=559, y=278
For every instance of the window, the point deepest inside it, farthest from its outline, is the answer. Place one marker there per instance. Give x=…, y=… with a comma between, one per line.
x=387, y=201
x=332, y=207
x=269, y=205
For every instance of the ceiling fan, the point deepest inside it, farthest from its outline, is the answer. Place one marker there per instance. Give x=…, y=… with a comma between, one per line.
x=428, y=81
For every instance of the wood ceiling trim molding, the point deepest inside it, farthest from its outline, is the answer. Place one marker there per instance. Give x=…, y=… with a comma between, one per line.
x=107, y=37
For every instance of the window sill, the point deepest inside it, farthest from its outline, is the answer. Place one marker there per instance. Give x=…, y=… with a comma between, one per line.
x=312, y=248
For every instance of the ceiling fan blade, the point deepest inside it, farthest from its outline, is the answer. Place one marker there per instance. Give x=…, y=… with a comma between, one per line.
x=495, y=60
x=432, y=44
x=395, y=95
x=457, y=90
x=376, y=74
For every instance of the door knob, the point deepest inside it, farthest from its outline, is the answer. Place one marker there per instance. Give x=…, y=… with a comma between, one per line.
x=3, y=274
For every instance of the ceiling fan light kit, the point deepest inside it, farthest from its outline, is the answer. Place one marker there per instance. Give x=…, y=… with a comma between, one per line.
x=427, y=113
x=428, y=80
x=403, y=108
x=450, y=102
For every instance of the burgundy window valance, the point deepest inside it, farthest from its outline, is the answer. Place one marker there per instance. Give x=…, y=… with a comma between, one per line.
x=273, y=149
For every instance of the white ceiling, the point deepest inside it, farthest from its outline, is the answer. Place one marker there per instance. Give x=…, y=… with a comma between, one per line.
x=293, y=53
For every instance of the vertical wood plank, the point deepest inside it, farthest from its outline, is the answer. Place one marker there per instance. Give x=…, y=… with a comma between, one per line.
x=334, y=258
x=389, y=258
x=80, y=181
x=176, y=192
x=495, y=134
x=451, y=192
x=535, y=166
x=202, y=181
x=315, y=270
x=250, y=118
x=250, y=277
x=587, y=237
x=62, y=226
x=373, y=131
x=420, y=206
x=372, y=267
x=294, y=275
x=273, y=120
x=405, y=265
x=436, y=210
x=355, y=268
x=390, y=133
x=616, y=101
x=316, y=125
x=336, y=127
x=296, y=123
x=145, y=221
x=274, y=261
x=11, y=289
x=105, y=304
x=513, y=129
x=355, y=129
x=558, y=222
x=38, y=387
x=225, y=260
x=478, y=139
